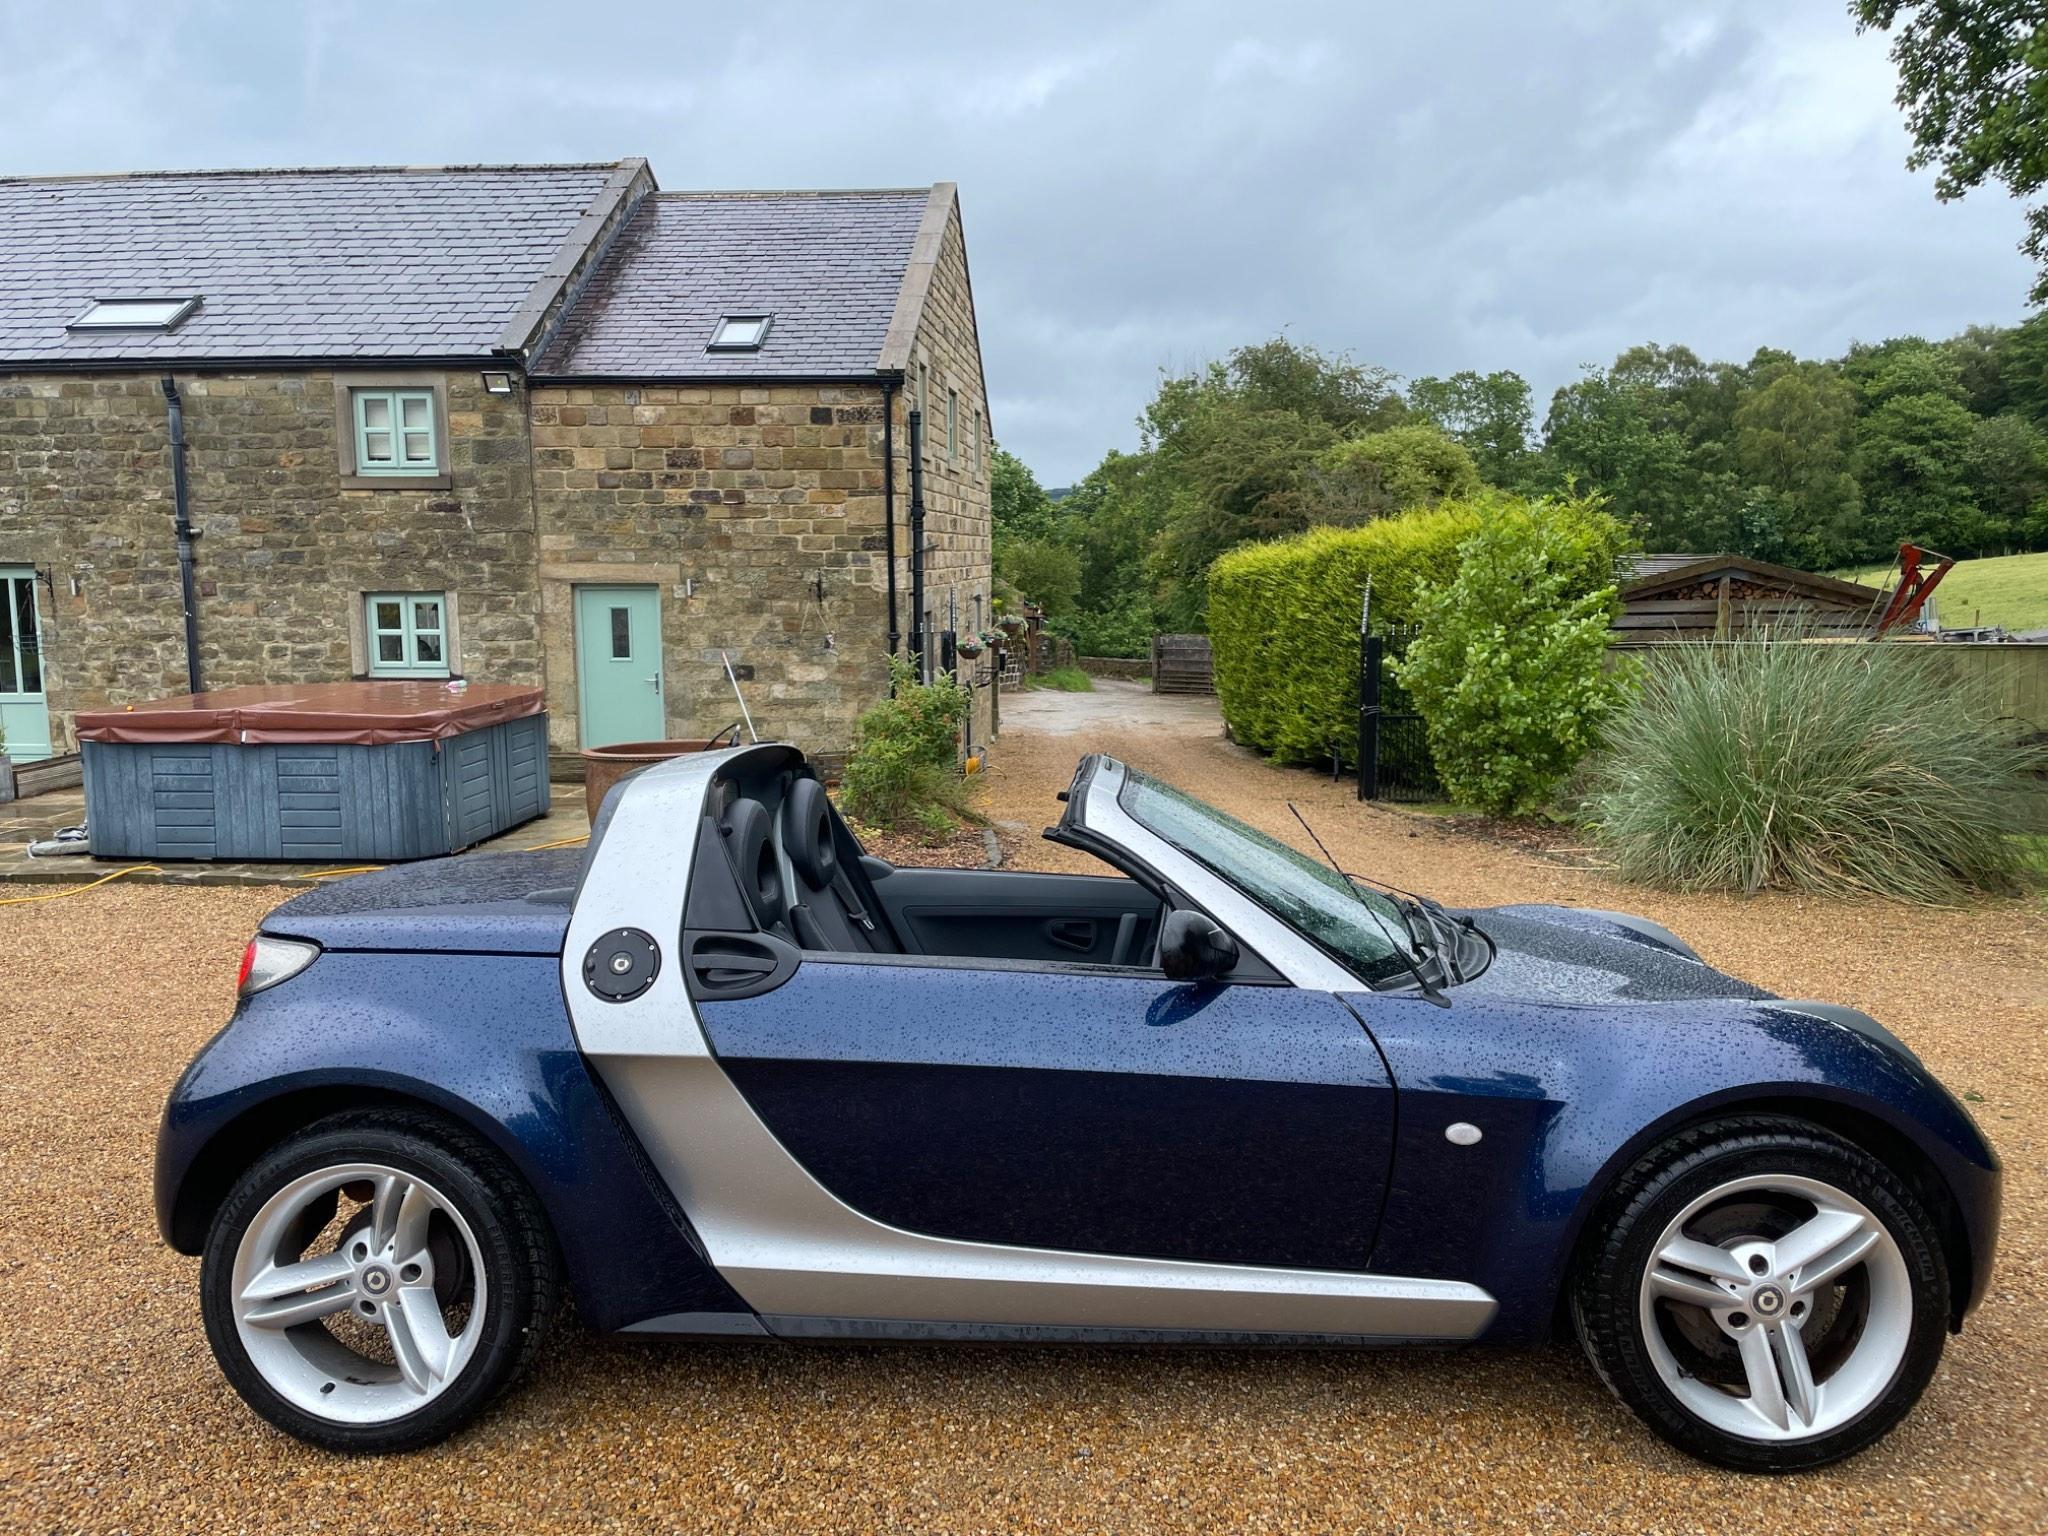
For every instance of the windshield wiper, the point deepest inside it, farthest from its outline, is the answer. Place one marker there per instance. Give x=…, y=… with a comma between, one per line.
x=1428, y=991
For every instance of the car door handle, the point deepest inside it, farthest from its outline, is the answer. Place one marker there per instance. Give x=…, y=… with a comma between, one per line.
x=738, y=965
x=1076, y=933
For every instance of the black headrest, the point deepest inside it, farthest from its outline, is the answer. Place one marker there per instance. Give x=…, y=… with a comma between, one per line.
x=807, y=834
x=745, y=830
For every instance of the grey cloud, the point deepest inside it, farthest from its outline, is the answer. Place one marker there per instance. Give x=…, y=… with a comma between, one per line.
x=1430, y=188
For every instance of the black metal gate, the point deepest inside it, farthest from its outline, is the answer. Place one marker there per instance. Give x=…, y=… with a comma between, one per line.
x=1393, y=746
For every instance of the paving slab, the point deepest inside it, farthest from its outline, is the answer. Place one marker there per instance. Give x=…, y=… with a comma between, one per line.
x=25, y=821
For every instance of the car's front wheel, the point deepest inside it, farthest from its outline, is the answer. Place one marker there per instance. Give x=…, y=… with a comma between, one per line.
x=374, y=1280
x=1764, y=1295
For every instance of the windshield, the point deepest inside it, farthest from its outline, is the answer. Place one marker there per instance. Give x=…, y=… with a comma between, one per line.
x=1361, y=928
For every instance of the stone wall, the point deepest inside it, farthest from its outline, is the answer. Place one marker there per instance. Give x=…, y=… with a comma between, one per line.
x=285, y=553
x=756, y=512
x=945, y=363
x=1135, y=668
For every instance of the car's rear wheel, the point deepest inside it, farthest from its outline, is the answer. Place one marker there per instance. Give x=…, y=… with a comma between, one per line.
x=1764, y=1295
x=373, y=1281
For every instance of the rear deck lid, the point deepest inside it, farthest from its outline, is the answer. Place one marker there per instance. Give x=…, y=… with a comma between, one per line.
x=473, y=903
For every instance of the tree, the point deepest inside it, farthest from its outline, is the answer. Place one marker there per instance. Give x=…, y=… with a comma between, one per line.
x=1979, y=353
x=1912, y=460
x=1604, y=433
x=1230, y=449
x=1489, y=414
x=1018, y=505
x=2007, y=468
x=1284, y=375
x=1794, y=435
x=1973, y=82
x=2023, y=368
x=1042, y=572
x=1236, y=473
x=1385, y=472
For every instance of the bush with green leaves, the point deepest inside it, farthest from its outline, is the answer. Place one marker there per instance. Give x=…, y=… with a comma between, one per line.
x=1283, y=622
x=1842, y=768
x=906, y=751
x=1511, y=672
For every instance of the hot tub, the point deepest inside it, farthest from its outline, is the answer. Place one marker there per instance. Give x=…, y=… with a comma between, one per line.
x=327, y=772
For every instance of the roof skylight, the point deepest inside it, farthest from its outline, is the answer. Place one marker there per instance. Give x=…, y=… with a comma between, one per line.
x=740, y=333
x=135, y=313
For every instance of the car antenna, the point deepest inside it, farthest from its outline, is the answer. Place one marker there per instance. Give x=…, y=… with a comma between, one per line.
x=1429, y=992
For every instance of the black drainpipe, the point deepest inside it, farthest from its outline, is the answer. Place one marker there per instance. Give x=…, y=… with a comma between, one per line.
x=182, y=508
x=917, y=634
x=889, y=503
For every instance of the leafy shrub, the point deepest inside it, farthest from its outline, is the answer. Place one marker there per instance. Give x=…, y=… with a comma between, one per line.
x=1842, y=768
x=1062, y=680
x=1511, y=672
x=905, y=750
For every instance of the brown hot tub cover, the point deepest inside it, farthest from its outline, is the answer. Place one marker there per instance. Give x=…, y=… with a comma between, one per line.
x=351, y=714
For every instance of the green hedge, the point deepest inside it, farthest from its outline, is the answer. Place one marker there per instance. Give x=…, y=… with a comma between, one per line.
x=1283, y=622
x=1283, y=616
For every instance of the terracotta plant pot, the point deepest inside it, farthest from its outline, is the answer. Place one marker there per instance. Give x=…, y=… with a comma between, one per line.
x=605, y=766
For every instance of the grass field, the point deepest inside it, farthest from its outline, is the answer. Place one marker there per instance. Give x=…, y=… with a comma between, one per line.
x=2011, y=590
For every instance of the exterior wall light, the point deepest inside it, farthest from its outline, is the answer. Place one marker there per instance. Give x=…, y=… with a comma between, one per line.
x=498, y=383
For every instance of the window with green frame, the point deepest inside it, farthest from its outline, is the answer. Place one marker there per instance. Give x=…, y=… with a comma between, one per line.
x=408, y=634
x=395, y=432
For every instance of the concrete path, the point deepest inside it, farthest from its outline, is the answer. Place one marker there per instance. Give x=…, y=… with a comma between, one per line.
x=1114, y=704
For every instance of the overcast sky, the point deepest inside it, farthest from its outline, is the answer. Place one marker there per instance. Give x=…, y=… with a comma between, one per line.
x=1428, y=186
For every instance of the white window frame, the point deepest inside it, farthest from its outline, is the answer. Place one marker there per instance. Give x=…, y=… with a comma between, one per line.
x=724, y=339
x=105, y=313
x=410, y=630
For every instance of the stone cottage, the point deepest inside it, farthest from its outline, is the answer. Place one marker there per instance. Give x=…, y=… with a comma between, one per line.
x=542, y=424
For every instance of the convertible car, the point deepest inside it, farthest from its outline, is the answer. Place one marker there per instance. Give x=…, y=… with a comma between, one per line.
x=723, y=1074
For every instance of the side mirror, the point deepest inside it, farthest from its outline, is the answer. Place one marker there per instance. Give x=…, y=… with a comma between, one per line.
x=1193, y=948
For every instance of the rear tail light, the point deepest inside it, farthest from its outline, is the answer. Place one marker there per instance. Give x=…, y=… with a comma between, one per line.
x=267, y=961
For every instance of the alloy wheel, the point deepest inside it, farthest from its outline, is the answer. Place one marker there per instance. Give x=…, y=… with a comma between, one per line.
x=359, y=1292
x=1776, y=1307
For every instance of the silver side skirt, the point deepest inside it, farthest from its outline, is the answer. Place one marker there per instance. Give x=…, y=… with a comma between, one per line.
x=896, y=1331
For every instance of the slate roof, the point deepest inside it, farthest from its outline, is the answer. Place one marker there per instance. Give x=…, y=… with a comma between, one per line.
x=355, y=263
x=827, y=265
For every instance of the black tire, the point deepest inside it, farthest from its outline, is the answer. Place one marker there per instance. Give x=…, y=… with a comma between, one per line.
x=1616, y=1254
x=511, y=1232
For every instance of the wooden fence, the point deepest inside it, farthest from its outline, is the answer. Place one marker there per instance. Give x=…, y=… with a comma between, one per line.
x=1182, y=664
x=2013, y=677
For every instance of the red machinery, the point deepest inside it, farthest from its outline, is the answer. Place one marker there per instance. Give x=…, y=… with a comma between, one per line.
x=1915, y=585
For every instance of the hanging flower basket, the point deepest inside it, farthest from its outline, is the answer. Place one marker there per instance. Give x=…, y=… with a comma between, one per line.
x=969, y=647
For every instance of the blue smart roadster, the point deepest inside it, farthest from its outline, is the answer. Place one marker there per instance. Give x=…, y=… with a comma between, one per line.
x=723, y=1074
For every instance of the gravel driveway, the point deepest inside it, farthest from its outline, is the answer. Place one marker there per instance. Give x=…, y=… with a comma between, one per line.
x=113, y=1418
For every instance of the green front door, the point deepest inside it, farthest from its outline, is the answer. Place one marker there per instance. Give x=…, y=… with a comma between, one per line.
x=618, y=664
x=24, y=712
